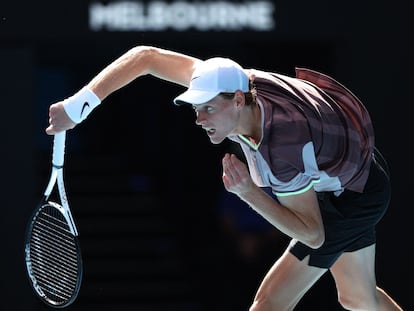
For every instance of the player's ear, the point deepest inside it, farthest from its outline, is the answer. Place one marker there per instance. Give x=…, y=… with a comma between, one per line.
x=239, y=99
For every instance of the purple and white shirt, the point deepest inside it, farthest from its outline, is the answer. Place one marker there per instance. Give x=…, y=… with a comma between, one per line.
x=316, y=133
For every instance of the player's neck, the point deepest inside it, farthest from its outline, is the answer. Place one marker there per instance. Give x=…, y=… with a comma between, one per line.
x=253, y=133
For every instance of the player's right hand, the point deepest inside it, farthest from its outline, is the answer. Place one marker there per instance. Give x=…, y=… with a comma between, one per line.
x=58, y=119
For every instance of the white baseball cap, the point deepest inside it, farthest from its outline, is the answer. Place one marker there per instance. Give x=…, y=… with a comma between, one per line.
x=212, y=77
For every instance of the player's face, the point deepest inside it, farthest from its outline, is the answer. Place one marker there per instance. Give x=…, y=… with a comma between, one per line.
x=218, y=117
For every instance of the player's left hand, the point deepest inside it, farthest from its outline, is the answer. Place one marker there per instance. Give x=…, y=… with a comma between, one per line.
x=236, y=177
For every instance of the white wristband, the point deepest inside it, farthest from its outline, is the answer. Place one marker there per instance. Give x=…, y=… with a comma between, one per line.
x=80, y=105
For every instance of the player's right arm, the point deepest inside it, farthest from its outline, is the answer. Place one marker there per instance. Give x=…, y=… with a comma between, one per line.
x=142, y=60
x=138, y=61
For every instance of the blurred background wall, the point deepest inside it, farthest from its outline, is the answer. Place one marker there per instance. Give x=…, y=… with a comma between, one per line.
x=157, y=229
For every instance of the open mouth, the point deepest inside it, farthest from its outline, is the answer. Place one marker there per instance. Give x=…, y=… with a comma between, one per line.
x=210, y=131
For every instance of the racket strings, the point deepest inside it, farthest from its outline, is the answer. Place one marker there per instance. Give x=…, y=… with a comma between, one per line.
x=54, y=256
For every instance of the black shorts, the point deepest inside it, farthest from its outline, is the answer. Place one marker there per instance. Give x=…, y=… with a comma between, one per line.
x=350, y=218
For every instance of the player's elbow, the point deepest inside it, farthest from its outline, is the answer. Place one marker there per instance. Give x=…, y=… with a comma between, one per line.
x=318, y=242
x=316, y=238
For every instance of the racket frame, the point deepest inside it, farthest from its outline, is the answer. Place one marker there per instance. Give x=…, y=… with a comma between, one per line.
x=56, y=176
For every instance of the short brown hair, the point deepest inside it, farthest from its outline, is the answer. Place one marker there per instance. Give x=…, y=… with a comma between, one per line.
x=250, y=96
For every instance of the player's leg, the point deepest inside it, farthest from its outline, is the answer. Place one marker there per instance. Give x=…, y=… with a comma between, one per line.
x=354, y=274
x=285, y=284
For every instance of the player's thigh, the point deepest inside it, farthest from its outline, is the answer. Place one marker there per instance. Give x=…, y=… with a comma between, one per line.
x=354, y=274
x=285, y=283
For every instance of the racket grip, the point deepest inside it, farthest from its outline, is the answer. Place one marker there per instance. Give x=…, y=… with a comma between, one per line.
x=58, y=149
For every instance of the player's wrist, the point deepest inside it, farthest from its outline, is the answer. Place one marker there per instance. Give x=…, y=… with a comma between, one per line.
x=81, y=104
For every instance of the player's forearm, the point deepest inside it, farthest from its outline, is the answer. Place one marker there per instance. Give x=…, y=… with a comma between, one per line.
x=142, y=60
x=120, y=72
x=283, y=218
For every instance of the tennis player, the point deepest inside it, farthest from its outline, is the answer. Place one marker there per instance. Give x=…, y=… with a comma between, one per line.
x=307, y=137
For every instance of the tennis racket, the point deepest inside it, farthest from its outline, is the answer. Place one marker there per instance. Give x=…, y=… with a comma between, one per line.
x=52, y=250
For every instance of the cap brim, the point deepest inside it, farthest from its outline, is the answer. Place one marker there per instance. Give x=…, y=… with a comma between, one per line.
x=194, y=97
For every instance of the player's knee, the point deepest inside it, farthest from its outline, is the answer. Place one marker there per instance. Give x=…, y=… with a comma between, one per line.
x=345, y=302
x=357, y=302
x=267, y=305
x=260, y=305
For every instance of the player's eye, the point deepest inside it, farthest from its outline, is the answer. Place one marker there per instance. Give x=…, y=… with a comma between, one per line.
x=209, y=109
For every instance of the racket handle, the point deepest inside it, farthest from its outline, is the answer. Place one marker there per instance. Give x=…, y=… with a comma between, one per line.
x=58, y=149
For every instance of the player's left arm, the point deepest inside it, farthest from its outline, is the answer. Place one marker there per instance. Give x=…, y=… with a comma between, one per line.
x=298, y=216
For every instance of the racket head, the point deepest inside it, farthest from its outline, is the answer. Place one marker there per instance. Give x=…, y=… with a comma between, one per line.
x=53, y=256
